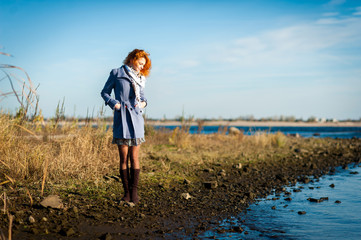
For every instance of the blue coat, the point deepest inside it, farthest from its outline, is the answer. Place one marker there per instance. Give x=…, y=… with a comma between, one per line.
x=128, y=122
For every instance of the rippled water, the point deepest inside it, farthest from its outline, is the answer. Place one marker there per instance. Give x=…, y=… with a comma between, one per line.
x=323, y=220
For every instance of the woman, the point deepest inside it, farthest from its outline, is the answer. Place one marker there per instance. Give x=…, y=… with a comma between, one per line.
x=128, y=83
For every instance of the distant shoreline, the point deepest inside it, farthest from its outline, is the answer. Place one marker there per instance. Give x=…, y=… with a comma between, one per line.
x=258, y=123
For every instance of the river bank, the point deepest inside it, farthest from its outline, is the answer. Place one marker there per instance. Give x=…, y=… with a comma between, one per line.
x=256, y=123
x=222, y=123
x=188, y=184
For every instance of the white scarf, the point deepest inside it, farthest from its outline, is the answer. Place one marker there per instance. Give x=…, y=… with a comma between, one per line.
x=137, y=80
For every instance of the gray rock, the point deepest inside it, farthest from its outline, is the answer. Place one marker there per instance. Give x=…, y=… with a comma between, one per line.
x=52, y=201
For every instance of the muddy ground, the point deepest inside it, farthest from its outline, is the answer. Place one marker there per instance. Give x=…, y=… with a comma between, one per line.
x=221, y=190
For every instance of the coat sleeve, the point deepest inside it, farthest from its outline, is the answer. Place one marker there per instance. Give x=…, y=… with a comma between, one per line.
x=142, y=97
x=107, y=90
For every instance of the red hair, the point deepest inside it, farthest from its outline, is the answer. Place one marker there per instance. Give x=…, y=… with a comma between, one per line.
x=134, y=56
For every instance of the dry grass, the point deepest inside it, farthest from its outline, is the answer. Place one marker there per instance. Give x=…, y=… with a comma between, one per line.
x=86, y=154
x=82, y=153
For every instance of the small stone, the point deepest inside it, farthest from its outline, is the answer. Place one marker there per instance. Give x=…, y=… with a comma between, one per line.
x=250, y=195
x=237, y=229
x=313, y=166
x=273, y=207
x=332, y=185
x=106, y=236
x=222, y=173
x=207, y=170
x=237, y=166
x=288, y=199
x=305, y=180
x=52, y=201
x=186, y=196
x=210, y=184
x=130, y=204
x=186, y=181
x=355, y=172
x=44, y=219
x=337, y=201
x=301, y=212
x=68, y=232
x=75, y=209
x=32, y=219
x=314, y=200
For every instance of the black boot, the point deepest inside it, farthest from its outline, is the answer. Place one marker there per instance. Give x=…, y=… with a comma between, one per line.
x=124, y=175
x=134, y=188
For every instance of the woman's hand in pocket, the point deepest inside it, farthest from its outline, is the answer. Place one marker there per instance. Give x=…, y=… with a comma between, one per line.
x=143, y=104
x=117, y=106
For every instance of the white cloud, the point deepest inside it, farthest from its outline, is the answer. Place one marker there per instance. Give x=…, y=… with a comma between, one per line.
x=334, y=3
x=330, y=14
x=292, y=44
x=358, y=11
x=189, y=63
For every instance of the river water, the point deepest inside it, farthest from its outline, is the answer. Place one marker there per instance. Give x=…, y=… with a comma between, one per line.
x=338, y=217
x=321, y=132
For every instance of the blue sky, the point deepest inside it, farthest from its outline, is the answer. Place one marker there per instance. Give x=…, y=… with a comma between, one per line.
x=211, y=58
